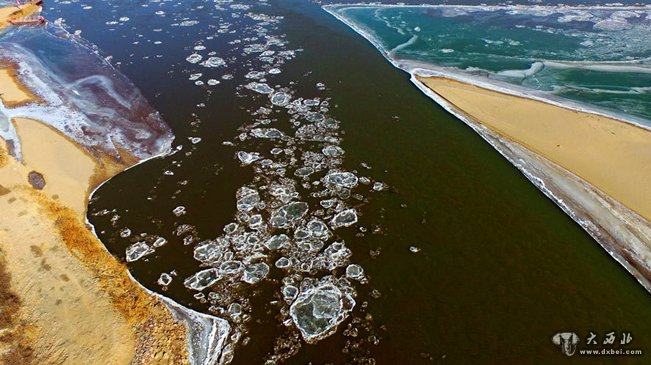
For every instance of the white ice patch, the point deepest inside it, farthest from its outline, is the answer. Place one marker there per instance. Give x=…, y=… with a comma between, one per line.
x=319, y=309
x=138, y=250
x=213, y=62
x=259, y=87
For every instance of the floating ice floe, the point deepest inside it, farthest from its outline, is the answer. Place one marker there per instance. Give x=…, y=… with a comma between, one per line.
x=259, y=87
x=188, y=23
x=160, y=241
x=269, y=133
x=256, y=222
x=231, y=267
x=339, y=179
x=355, y=272
x=344, y=218
x=379, y=186
x=283, y=263
x=213, y=62
x=202, y=279
x=255, y=75
x=333, y=151
x=138, y=250
x=280, y=98
x=313, y=230
x=304, y=171
x=319, y=309
x=315, y=117
x=247, y=199
x=287, y=214
x=210, y=251
x=164, y=279
x=255, y=272
x=194, y=58
x=231, y=228
x=276, y=242
x=289, y=292
x=248, y=157
x=179, y=211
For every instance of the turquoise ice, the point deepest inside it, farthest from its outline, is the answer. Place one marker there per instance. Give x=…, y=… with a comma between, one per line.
x=598, y=56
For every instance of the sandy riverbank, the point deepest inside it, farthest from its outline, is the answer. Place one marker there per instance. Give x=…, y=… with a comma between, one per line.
x=63, y=297
x=611, y=155
x=592, y=166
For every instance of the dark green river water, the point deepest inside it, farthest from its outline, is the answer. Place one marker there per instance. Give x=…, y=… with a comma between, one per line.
x=500, y=268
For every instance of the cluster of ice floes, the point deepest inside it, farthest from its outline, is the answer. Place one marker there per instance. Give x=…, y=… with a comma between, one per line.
x=288, y=217
x=288, y=222
x=255, y=42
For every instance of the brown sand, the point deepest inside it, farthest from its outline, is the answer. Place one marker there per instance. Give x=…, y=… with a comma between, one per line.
x=4, y=154
x=63, y=298
x=60, y=299
x=612, y=155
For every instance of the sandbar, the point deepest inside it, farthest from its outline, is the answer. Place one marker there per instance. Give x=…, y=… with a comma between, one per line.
x=594, y=167
x=612, y=155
